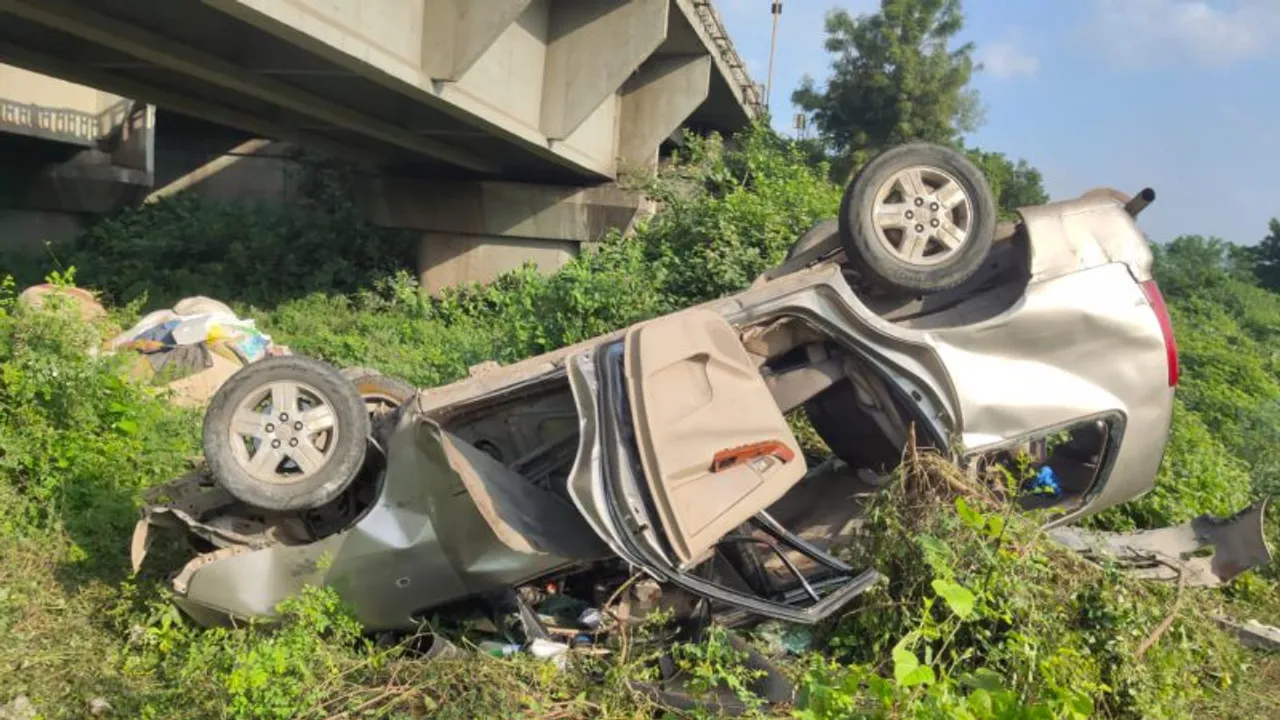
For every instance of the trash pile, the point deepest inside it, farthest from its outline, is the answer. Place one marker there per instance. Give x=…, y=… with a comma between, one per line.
x=193, y=348
x=190, y=349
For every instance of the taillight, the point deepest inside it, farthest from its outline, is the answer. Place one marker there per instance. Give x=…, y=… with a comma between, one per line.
x=1156, y=299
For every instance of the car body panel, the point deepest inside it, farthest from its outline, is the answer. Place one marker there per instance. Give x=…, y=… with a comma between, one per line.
x=695, y=392
x=1082, y=233
x=1077, y=345
x=423, y=543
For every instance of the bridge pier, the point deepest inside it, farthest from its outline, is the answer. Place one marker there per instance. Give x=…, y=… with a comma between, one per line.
x=67, y=152
x=473, y=231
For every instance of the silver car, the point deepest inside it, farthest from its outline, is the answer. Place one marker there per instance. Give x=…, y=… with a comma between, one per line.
x=668, y=448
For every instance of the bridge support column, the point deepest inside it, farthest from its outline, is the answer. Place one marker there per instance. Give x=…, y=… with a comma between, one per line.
x=67, y=151
x=475, y=231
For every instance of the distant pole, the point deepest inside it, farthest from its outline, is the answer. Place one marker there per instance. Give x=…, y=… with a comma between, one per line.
x=773, y=46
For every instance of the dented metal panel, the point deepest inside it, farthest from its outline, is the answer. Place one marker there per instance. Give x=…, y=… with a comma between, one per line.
x=1075, y=346
x=421, y=544
x=1176, y=553
x=1084, y=233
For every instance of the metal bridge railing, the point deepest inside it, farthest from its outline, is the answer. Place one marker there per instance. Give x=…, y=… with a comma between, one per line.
x=752, y=93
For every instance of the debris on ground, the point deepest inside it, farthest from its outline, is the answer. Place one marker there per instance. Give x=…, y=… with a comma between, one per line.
x=1177, y=553
x=193, y=348
x=99, y=707
x=1253, y=634
x=785, y=639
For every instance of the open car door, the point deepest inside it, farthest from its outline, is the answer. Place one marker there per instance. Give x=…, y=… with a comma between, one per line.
x=683, y=449
x=714, y=446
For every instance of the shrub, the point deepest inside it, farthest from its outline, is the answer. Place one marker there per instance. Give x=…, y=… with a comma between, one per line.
x=982, y=617
x=259, y=254
x=77, y=443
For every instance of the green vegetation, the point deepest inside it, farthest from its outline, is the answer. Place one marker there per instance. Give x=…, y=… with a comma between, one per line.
x=980, y=617
x=893, y=79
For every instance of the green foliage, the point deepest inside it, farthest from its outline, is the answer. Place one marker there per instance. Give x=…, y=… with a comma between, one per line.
x=984, y=618
x=1014, y=185
x=893, y=78
x=729, y=215
x=715, y=663
x=390, y=328
x=77, y=442
x=1266, y=257
x=255, y=672
x=254, y=253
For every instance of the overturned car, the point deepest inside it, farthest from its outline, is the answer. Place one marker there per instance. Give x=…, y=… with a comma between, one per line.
x=666, y=448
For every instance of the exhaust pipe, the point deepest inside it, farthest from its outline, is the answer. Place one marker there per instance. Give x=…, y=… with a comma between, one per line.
x=1140, y=202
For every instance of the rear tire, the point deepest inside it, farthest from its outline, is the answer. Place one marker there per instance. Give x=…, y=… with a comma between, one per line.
x=824, y=233
x=380, y=392
x=286, y=433
x=918, y=218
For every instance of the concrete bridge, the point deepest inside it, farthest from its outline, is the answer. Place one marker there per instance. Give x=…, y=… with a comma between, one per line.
x=495, y=126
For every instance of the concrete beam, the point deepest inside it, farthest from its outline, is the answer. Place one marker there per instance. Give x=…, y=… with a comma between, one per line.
x=208, y=170
x=455, y=33
x=446, y=260
x=656, y=100
x=500, y=209
x=591, y=50
x=103, y=30
x=180, y=103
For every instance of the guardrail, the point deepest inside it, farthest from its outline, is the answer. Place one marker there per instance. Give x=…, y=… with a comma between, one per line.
x=752, y=93
x=63, y=124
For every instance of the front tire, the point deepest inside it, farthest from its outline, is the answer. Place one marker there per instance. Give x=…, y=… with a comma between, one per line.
x=286, y=433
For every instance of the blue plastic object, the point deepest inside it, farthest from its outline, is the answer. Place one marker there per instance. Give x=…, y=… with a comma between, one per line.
x=1045, y=483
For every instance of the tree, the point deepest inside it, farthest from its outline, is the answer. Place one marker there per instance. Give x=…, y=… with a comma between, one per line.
x=1266, y=257
x=1014, y=185
x=893, y=79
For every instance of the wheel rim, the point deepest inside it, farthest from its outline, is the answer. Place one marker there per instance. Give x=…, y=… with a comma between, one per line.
x=283, y=432
x=923, y=216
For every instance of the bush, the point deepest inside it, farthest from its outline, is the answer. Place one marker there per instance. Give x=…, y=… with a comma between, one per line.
x=730, y=214
x=261, y=254
x=77, y=443
x=982, y=617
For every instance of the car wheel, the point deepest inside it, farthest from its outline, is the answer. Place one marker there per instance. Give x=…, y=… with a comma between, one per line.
x=823, y=233
x=918, y=218
x=381, y=393
x=286, y=433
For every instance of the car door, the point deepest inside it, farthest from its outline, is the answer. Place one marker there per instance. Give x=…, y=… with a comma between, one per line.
x=714, y=447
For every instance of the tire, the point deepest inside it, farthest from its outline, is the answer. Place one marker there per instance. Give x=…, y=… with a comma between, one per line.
x=378, y=390
x=299, y=479
x=823, y=233
x=911, y=250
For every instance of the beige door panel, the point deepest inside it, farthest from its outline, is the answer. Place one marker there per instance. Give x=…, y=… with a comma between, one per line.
x=695, y=395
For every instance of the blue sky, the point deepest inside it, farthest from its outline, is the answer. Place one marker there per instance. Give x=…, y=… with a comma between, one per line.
x=1179, y=95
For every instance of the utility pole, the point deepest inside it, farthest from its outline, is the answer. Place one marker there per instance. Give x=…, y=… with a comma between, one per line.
x=773, y=47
